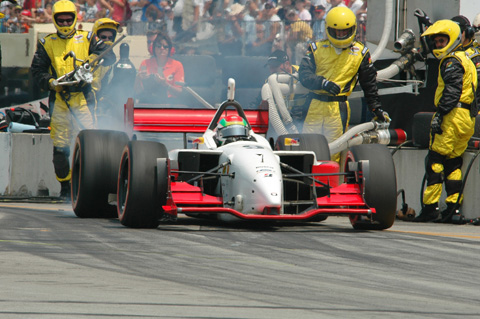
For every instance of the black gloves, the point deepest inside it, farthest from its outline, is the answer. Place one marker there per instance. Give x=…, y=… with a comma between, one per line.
x=380, y=115
x=329, y=86
x=422, y=17
x=436, y=124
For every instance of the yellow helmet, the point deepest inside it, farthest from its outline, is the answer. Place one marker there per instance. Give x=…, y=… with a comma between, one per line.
x=341, y=18
x=106, y=24
x=64, y=7
x=449, y=29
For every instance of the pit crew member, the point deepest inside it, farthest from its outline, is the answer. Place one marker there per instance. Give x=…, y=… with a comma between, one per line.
x=453, y=123
x=331, y=70
x=66, y=102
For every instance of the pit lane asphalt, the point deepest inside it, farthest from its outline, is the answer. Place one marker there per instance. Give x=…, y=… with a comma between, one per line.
x=54, y=265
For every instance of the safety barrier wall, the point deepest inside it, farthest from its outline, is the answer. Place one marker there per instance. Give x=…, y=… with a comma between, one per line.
x=27, y=171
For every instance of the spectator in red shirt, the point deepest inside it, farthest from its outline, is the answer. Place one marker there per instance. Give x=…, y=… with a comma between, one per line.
x=158, y=77
x=119, y=10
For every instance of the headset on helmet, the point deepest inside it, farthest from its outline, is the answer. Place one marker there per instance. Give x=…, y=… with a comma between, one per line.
x=106, y=24
x=232, y=126
x=341, y=18
x=64, y=7
x=470, y=32
x=449, y=29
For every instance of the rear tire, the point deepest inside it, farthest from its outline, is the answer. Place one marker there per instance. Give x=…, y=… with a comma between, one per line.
x=95, y=162
x=421, y=129
x=142, y=184
x=306, y=142
x=380, y=187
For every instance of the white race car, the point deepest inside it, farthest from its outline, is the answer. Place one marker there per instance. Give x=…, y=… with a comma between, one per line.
x=232, y=172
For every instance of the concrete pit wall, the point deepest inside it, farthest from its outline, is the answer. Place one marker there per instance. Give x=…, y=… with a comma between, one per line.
x=27, y=166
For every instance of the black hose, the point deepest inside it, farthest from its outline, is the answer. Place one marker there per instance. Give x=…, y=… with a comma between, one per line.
x=400, y=146
x=424, y=181
x=23, y=110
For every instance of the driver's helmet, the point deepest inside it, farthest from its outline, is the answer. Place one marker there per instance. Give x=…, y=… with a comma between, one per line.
x=232, y=126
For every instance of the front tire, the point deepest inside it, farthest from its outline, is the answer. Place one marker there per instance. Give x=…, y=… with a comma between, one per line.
x=379, y=186
x=142, y=184
x=94, y=172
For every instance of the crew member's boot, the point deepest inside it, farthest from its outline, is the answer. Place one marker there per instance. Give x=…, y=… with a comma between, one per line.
x=451, y=214
x=429, y=213
x=65, y=191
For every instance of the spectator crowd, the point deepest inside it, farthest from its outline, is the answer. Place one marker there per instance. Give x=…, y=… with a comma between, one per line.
x=236, y=27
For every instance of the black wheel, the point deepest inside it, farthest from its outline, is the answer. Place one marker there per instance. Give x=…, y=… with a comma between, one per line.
x=96, y=156
x=379, y=185
x=421, y=129
x=142, y=184
x=306, y=142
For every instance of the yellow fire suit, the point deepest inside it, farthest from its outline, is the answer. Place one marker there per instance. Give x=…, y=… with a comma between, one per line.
x=329, y=115
x=48, y=63
x=457, y=81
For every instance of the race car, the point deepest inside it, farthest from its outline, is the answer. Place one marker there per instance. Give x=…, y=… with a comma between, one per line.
x=231, y=172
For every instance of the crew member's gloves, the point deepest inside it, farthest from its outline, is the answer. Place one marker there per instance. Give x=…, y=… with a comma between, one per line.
x=330, y=87
x=437, y=123
x=89, y=60
x=91, y=57
x=380, y=115
x=54, y=85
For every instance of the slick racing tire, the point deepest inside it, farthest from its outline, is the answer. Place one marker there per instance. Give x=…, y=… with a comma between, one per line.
x=306, y=142
x=142, y=184
x=379, y=186
x=96, y=156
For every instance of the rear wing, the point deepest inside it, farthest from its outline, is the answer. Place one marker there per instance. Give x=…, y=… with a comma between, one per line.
x=168, y=119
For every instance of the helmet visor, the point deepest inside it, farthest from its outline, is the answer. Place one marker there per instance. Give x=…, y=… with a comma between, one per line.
x=233, y=130
x=341, y=34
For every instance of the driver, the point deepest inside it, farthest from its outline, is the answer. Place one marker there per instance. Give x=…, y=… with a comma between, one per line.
x=48, y=64
x=231, y=128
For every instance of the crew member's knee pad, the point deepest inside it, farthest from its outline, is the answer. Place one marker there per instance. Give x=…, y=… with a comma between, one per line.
x=434, y=168
x=453, y=164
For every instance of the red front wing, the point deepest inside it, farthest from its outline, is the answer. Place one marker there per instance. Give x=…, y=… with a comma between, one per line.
x=344, y=199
